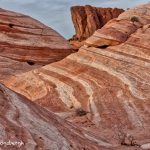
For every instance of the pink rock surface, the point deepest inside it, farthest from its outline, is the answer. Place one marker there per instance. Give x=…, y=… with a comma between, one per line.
x=24, y=38
x=111, y=84
x=87, y=19
x=103, y=89
x=26, y=44
x=38, y=129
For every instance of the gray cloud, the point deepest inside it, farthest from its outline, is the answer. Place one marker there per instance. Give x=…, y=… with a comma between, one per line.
x=56, y=13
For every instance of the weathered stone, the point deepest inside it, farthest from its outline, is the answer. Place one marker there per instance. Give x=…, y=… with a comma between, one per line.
x=34, y=127
x=26, y=44
x=87, y=19
x=146, y=146
x=110, y=83
x=26, y=40
x=119, y=30
x=113, y=33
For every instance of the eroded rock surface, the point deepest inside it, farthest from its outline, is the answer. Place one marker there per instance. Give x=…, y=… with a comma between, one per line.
x=25, y=43
x=110, y=83
x=35, y=128
x=119, y=30
x=87, y=19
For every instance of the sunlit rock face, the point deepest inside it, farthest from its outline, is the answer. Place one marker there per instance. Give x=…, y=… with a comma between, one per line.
x=132, y=22
x=87, y=19
x=104, y=87
x=25, y=43
x=34, y=128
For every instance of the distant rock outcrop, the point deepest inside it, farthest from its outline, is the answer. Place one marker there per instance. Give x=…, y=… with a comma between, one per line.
x=87, y=19
x=107, y=80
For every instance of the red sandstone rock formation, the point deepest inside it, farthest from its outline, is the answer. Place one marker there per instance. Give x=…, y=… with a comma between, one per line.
x=87, y=19
x=105, y=87
x=26, y=44
x=25, y=39
x=38, y=129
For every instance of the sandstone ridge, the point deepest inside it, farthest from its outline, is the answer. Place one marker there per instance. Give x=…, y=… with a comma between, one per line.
x=87, y=19
x=104, y=88
x=25, y=43
x=34, y=128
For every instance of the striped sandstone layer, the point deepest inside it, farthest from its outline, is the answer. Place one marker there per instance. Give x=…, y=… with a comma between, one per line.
x=87, y=19
x=38, y=129
x=25, y=43
x=23, y=38
x=109, y=78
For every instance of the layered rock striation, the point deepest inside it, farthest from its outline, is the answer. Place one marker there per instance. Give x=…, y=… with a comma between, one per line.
x=106, y=83
x=26, y=126
x=25, y=43
x=87, y=19
x=97, y=98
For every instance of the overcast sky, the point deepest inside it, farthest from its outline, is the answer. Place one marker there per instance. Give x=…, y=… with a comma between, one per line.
x=56, y=13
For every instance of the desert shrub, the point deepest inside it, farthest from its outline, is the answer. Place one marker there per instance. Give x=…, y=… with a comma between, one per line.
x=80, y=112
x=134, y=19
x=127, y=140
